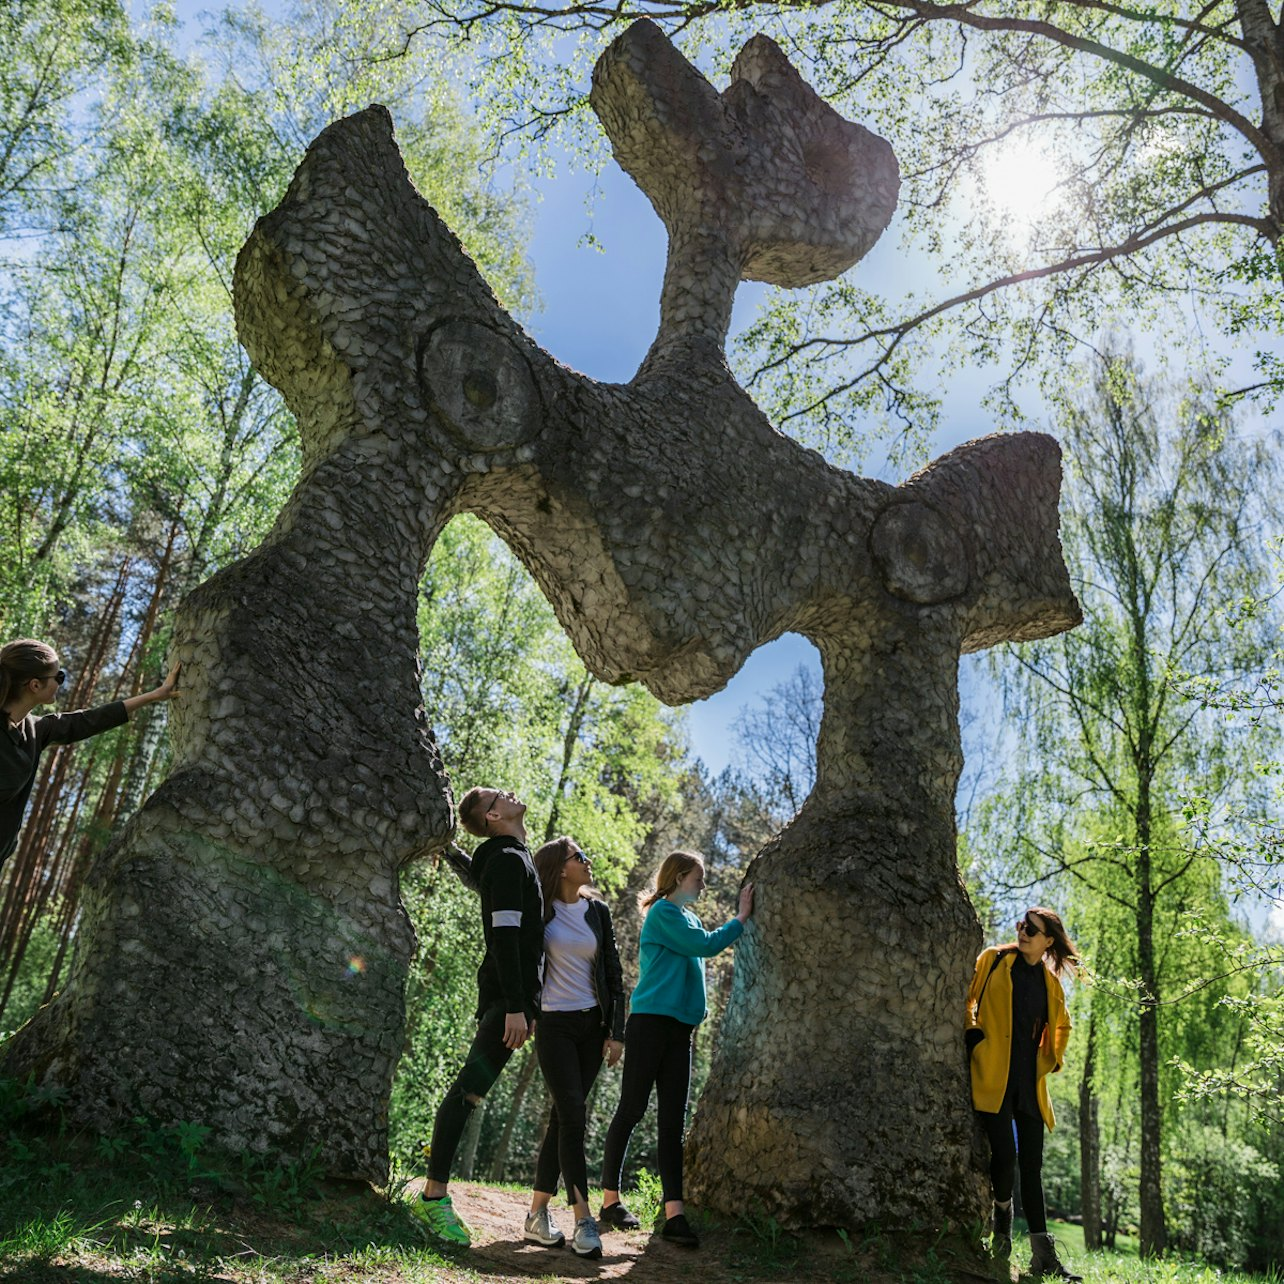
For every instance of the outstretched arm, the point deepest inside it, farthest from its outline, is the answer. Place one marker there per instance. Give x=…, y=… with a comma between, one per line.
x=462, y=864
x=168, y=690
x=667, y=925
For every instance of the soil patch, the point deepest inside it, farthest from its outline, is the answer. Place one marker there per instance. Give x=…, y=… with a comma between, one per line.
x=726, y=1256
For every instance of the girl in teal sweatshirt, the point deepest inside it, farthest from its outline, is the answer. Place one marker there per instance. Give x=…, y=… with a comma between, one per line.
x=667, y=1005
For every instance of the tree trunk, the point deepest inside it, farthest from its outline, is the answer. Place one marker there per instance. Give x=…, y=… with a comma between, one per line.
x=1153, y=1234
x=524, y=1080
x=570, y=741
x=242, y=950
x=1089, y=1146
x=1264, y=39
x=1153, y=1231
x=839, y=1091
x=468, y=1142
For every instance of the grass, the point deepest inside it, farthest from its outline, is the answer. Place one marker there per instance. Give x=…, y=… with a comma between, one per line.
x=149, y=1206
x=1126, y=1266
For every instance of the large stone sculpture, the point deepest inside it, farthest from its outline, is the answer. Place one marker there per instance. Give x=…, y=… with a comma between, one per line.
x=243, y=948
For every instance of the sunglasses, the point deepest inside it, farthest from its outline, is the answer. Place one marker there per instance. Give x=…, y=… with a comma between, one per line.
x=582, y=857
x=60, y=677
x=1025, y=925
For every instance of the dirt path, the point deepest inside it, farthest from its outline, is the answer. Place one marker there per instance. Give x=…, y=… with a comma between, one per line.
x=499, y=1253
x=495, y=1218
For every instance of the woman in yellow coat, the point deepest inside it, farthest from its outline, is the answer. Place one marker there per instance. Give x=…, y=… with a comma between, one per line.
x=1017, y=1030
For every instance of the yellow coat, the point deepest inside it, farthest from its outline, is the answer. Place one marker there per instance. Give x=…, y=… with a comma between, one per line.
x=991, y=1057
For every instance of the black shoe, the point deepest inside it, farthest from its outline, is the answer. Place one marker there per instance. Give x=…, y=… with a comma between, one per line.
x=616, y=1217
x=677, y=1230
x=1044, y=1262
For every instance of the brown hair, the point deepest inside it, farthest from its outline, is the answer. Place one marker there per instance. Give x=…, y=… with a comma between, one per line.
x=1063, y=952
x=673, y=869
x=549, y=860
x=21, y=661
x=471, y=814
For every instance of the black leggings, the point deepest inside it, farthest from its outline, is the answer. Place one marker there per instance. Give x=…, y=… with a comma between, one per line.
x=1005, y=1154
x=657, y=1052
x=486, y=1058
x=569, y=1048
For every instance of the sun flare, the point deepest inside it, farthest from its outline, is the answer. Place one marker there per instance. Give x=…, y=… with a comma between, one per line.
x=1020, y=181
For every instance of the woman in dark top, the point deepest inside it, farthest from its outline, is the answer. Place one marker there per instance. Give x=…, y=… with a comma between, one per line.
x=581, y=1024
x=29, y=677
x=1017, y=1030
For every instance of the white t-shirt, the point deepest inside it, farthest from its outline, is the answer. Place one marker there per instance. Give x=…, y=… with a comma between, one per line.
x=570, y=956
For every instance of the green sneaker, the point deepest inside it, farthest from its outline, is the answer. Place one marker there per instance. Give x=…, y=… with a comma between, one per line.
x=439, y=1216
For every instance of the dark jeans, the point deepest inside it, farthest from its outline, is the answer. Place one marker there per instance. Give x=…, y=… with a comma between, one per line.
x=658, y=1052
x=569, y=1048
x=486, y=1058
x=1006, y=1153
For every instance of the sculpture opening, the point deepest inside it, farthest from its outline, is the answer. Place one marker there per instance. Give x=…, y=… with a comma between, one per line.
x=766, y=722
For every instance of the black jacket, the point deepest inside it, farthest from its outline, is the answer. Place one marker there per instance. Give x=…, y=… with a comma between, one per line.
x=20, y=748
x=608, y=977
x=513, y=924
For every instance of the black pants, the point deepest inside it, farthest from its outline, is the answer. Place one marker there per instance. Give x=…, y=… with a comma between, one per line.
x=486, y=1058
x=569, y=1048
x=658, y=1052
x=1006, y=1154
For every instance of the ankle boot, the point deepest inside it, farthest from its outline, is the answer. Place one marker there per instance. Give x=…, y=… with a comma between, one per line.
x=1044, y=1262
x=1001, y=1228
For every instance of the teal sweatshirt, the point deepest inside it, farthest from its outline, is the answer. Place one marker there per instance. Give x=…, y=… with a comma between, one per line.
x=671, y=954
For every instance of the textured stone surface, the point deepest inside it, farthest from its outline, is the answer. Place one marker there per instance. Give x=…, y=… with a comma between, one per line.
x=673, y=530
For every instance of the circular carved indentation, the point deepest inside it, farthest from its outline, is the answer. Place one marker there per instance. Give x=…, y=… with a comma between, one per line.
x=922, y=557
x=480, y=389
x=479, y=384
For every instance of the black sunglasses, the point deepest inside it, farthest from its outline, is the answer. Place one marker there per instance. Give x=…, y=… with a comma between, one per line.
x=60, y=677
x=1026, y=926
x=582, y=857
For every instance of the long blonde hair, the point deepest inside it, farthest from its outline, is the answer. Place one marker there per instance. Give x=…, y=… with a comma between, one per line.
x=673, y=869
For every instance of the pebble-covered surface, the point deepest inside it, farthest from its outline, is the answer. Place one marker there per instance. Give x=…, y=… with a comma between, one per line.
x=243, y=949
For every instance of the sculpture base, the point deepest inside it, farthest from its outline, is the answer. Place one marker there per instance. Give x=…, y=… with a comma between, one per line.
x=839, y=1095
x=211, y=988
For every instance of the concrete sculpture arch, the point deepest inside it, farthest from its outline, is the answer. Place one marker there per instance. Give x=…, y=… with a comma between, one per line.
x=673, y=530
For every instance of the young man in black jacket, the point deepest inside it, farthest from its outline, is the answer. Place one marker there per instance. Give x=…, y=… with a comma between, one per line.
x=508, y=983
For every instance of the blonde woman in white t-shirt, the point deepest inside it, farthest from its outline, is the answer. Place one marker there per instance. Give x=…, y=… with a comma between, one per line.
x=581, y=1024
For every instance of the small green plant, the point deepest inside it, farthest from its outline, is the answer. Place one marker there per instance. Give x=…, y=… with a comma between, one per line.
x=648, y=1197
x=773, y=1244
x=930, y=1271
x=111, y=1148
x=281, y=1187
x=399, y=1178
x=171, y=1154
